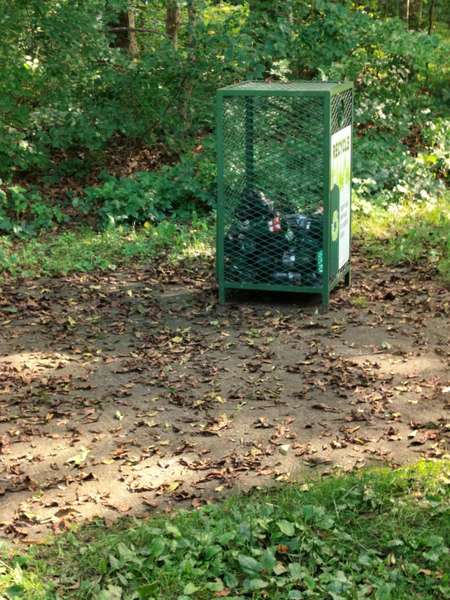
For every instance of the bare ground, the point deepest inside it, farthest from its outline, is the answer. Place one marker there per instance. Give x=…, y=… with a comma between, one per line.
x=121, y=393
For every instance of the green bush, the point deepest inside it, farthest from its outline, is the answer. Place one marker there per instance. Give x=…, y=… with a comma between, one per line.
x=25, y=212
x=397, y=108
x=174, y=192
x=436, y=155
x=68, y=97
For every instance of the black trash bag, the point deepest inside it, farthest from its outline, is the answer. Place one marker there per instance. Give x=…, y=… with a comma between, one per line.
x=302, y=262
x=254, y=205
x=283, y=247
x=234, y=238
x=269, y=243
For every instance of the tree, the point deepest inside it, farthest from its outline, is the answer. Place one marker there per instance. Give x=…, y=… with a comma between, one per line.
x=124, y=30
x=403, y=11
x=431, y=17
x=173, y=21
x=416, y=14
x=185, y=106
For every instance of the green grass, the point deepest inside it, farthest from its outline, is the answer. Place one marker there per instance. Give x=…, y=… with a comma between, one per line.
x=379, y=534
x=401, y=233
x=407, y=233
x=87, y=250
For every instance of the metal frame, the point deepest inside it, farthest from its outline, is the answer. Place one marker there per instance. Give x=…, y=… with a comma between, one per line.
x=326, y=90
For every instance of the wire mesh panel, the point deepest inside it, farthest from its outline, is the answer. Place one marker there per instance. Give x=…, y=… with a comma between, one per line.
x=341, y=110
x=274, y=168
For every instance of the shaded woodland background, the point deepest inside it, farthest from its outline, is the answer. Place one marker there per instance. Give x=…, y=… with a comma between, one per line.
x=107, y=107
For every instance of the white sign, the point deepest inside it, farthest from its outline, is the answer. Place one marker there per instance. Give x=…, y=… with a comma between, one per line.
x=341, y=148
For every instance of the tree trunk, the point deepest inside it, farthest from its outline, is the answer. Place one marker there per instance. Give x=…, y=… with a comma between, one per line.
x=125, y=32
x=403, y=12
x=132, y=39
x=430, y=17
x=173, y=21
x=185, y=104
x=290, y=17
x=192, y=19
x=415, y=16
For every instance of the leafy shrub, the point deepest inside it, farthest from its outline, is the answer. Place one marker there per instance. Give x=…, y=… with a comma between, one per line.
x=394, y=106
x=174, y=192
x=64, y=97
x=437, y=154
x=126, y=199
x=24, y=212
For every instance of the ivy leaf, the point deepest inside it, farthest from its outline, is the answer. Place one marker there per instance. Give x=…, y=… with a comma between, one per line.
x=157, y=546
x=79, y=458
x=145, y=591
x=268, y=560
x=258, y=584
x=15, y=591
x=286, y=527
x=383, y=592
x=190, y=588
x=249, y=565
x=309, y=582
x=296, y=571
x=114, y=592
x=173, y=530
x=279, y=569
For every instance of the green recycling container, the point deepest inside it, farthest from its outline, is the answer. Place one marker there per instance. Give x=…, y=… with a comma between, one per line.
x=284, y=186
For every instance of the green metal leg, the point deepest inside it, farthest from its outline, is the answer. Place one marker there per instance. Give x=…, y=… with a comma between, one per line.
x=325, y=301
x=221, y=294
x=348, y=279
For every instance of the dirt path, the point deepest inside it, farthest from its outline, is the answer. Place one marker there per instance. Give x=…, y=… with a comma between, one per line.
x=123, y=392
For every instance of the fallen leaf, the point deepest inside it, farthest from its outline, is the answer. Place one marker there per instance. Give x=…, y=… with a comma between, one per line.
x=79, y=458
x=325, y=407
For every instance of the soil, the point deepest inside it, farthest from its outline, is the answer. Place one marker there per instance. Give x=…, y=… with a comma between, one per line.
x=121, y=393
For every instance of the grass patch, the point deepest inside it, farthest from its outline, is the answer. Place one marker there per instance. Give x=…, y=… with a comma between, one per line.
x=87, y=250
x=406, y=233
x=378, y=534
x=399, y=233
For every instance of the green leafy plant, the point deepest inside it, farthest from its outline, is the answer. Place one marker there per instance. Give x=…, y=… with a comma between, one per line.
x=85, y=250
x=380, y=533
x=409, y=232
x=24, y=211
x=174, y=192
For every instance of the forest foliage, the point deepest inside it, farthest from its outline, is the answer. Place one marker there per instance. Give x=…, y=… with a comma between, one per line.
x=107, y=108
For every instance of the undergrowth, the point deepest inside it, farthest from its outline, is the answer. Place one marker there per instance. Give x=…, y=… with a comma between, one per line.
x=379, y=533
x=408, y=232
x=86, y=250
